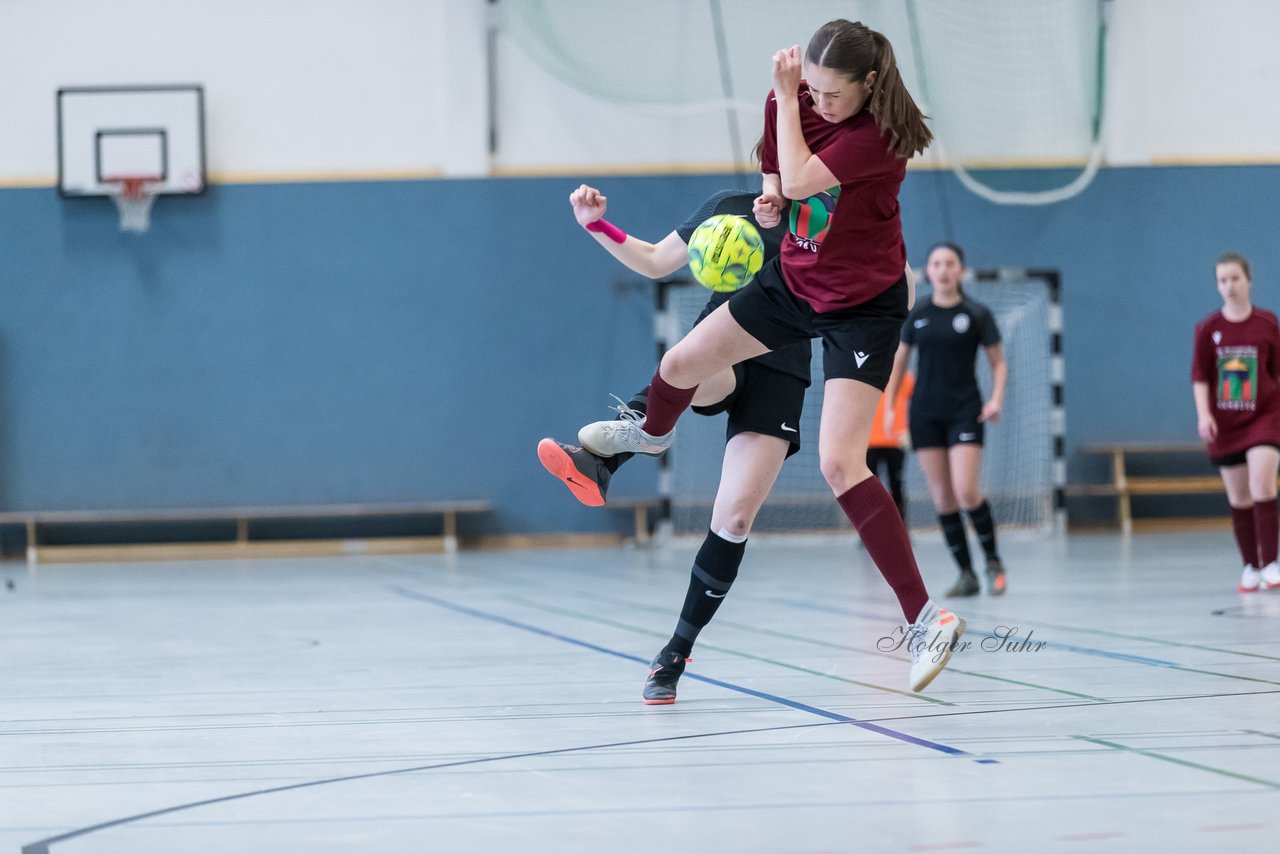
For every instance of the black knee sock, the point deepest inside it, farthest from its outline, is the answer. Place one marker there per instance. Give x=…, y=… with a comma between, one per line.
x=640, y=403
x=953, y=531
x=714, y=570
x=980, y=516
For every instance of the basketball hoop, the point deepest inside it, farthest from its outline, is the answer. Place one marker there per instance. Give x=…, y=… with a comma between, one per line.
x=133, y=197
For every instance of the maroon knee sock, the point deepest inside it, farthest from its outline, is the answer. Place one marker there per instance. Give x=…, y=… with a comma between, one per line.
x=1267, y=525
x=876, y=519
x=1246, y=539
x=666, y=402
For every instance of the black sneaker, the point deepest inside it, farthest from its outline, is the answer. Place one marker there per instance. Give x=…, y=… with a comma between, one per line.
x=996, y=582
x=582, y=471
x=664, y=673
x=966, y=585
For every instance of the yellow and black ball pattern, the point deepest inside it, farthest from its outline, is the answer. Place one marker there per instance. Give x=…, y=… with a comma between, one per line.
x=725, y=251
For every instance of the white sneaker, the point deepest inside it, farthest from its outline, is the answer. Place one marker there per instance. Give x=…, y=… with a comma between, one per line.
x=931, y=640
x=1251, y=579
x=609, y=438
x=1270, y=576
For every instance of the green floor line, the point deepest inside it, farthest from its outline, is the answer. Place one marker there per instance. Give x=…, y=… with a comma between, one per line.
x=738, y=653
x=1167, y=665
x=951, y=668
x=1263, y=734
x=1219, y=771
x=1105, y=633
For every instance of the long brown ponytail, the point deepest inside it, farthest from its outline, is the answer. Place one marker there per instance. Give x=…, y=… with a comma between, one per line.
x=854, y=49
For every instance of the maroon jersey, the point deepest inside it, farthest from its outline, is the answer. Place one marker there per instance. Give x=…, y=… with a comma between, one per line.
x=1239, y=362
x=844, y=245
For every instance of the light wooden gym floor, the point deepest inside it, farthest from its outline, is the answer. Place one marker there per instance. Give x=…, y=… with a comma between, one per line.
x=489, y=702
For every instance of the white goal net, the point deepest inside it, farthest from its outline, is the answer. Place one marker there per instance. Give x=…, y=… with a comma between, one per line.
x=1018, y=467
x=1013, y=88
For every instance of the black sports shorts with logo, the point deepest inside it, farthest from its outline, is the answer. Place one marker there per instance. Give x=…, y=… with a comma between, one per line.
x=944, y=432
x=858, y=343
x=763, y=401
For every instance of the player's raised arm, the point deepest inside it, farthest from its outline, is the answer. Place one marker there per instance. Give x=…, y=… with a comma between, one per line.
x=653, y=260
x=770, y=204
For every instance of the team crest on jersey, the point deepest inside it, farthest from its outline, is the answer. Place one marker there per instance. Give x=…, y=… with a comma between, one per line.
x=1237, y=377
x=811, y=219
x=1217, y=337
x=960, y=323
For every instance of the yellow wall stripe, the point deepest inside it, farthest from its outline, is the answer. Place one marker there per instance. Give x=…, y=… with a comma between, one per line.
x=643, y=169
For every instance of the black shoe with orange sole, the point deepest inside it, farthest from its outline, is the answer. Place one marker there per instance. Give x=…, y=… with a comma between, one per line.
x=664, y=673
x=966, y=585
x=582, y=471
x=996, y=581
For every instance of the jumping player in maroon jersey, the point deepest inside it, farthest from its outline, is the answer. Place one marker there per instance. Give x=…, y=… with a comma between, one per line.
x=835, y=150
x=1234, y=381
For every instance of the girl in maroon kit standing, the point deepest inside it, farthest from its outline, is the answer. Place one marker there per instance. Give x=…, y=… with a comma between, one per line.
x=1234, y=380
x=834, y=155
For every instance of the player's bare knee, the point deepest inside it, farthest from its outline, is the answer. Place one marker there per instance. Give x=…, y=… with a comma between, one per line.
x=677, y=368
x=738, y=523
x=841, y=472
x=969, y=499
x=1238, y=497
x=669, y=366
x=1262, y=491
x=944, y=500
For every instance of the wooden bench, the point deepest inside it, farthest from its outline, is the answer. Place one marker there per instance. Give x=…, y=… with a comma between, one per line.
x=640, y=507
x=1123, y=485
x=242, y=516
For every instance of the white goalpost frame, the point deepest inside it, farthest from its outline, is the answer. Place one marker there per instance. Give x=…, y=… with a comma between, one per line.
x=801, y=502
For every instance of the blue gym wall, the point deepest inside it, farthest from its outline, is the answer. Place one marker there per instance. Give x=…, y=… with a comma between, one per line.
x=402, y=341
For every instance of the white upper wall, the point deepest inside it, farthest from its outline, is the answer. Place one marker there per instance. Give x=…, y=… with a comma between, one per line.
x=1193, y=81
x=305, y=89
x=365, y=88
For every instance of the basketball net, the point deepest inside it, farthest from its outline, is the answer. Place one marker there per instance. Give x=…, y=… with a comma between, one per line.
x=133, y=198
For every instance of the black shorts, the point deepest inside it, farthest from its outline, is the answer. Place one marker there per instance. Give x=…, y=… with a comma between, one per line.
x=764, y=401
x=945, y=432
x=893, y=458
x=1239, y=458
x=858, y=343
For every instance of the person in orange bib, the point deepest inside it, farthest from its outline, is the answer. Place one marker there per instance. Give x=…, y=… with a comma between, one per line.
x=888, y=451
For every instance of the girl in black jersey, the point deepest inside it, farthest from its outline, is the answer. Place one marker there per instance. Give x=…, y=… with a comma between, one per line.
x=763, y=397
x=947, y=413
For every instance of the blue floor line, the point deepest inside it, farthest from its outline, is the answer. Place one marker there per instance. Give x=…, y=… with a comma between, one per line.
x=772, y=698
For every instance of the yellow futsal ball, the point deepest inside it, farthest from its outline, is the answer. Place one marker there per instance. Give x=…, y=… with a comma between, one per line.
x=725, y=251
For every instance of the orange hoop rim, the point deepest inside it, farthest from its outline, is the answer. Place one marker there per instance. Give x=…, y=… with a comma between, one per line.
x=133, y=187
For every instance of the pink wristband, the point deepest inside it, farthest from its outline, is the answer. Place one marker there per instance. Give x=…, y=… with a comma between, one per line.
x=608, y=229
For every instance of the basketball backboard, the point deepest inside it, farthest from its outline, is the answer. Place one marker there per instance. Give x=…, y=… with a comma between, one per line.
x=110, y=133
